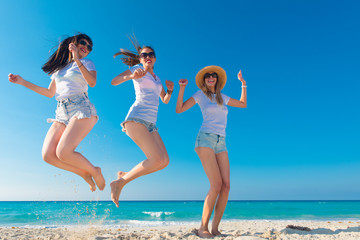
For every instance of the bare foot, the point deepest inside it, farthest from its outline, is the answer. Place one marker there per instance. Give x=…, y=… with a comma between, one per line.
x=116, y=187
x=120, y=174
x=88, y=178
x=215, y=232
x=204, y=234
x=99, y=179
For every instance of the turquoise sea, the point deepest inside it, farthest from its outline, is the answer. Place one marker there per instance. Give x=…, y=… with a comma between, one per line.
x=155, y=213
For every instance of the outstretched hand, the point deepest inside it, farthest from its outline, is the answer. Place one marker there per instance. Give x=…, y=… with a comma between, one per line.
x=74, y=50
x=169, y=85
x=183, y=82
x=240, y=77
x=15, y=78
x=138, y=73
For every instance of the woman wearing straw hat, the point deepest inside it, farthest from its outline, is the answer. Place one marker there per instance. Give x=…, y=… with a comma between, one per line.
x=210, y=142
x=140, y=123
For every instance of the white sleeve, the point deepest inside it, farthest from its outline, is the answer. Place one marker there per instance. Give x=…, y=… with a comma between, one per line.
x=197, y=96
x=133, y=68
x=225, y=98
x=90, y=66
x=52, y=77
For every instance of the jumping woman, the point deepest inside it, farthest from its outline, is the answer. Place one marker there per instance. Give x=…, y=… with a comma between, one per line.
x=71, y=73
x=140, y=122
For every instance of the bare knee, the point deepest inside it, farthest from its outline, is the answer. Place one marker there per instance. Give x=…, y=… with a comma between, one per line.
x=160, y=161
x=165, y=161
x=216, y=186
x=63, y=153
x=225, y=187
x=48, y=156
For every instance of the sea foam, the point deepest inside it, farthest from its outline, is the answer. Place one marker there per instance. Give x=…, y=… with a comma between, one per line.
x=158, y=214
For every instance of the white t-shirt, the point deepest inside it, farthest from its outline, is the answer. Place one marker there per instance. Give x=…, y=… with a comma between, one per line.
x=147, y=91
x=69, y=80
x=214, y=116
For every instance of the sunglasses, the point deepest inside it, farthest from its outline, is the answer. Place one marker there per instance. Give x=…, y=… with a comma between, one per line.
x=89, y=47
x=207, y=75
x=145, y=55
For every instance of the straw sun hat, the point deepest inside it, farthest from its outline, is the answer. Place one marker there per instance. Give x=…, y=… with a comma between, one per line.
x=218, y=70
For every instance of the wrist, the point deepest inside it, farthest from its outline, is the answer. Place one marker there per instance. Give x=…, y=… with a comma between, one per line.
x=77, y=59
x=21, y=81
x=169, y=91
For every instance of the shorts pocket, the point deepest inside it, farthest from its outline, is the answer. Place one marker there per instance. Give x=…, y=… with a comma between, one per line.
x=78, y=101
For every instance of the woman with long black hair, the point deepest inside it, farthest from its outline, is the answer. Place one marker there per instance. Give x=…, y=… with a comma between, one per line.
x=70, y=74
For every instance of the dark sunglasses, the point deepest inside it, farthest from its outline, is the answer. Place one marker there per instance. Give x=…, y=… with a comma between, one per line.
x=89, y=47
x=145, y=55
x=207, y=75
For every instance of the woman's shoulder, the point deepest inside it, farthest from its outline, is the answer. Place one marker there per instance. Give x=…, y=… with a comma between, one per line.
x=137, y=66
x=198, y=95
x=86, y=61
x=226, y=98
x=224, y=95
x=200, y=92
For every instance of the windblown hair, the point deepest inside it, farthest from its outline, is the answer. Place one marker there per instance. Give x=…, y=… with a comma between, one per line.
x=209, y=94
x=62, y=56
x=132, y=58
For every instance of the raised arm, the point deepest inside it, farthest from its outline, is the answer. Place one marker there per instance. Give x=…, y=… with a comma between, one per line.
x=242, y=103
x=165, y=96
x=89, y=76
x=182, y=106
x=127, y=75
x=47, y=92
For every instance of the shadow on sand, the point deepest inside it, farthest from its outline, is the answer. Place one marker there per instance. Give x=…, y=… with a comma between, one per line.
x=322, y=231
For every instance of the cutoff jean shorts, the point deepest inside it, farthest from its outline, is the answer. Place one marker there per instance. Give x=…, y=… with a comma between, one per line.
x=150, y=126
x=78, y=106
x=214, y=141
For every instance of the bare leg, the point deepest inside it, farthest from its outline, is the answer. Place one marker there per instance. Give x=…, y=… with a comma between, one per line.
x=150, y=144
x=160, y=143
x=49, y=154
x=223, y=163
x=74, y=133
x=210, y=165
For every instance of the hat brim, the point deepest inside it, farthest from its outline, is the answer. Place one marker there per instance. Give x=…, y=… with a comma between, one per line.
x=219, y=71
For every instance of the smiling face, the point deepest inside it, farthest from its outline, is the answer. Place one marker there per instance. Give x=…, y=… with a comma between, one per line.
x=149, y=60
x=210, y=80
x=83, y=46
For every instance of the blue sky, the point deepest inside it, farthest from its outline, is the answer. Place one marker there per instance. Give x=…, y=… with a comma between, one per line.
x=298, y=138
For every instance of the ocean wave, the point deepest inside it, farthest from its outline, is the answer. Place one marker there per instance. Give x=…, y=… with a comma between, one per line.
x=158, y=214
x=137, y=223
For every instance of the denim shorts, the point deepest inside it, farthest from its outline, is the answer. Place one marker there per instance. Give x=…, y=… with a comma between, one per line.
x=78, y=106
x=214, y=141
x=150, y=126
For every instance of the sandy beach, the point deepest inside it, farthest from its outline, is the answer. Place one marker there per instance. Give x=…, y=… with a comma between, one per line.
x=247, y=230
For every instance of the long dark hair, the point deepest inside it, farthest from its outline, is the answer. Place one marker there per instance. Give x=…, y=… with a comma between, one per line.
x=209, y=93
x=62, y=56
x=132, y=58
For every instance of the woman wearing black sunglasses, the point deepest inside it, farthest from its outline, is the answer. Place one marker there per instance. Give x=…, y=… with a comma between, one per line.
x=140, y=123
x=210, y=142
x=71, y=74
